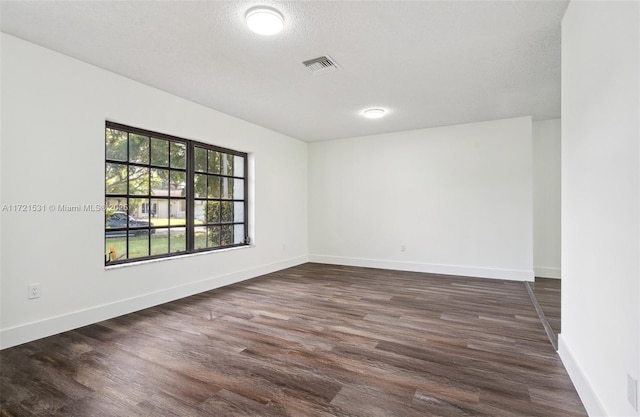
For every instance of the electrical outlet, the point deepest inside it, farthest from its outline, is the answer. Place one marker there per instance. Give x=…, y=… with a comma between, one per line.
x=33, y=291
x=632, y=391
x=403, y=247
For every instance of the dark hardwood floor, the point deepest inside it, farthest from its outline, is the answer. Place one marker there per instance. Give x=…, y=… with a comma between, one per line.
x=314, y=340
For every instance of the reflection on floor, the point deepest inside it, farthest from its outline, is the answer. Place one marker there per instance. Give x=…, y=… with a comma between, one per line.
x=545, y=294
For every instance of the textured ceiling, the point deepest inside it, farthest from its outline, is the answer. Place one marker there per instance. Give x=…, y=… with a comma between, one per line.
x=431, y=63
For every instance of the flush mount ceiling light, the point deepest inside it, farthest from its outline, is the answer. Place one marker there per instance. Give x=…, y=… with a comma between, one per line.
x=374, y=113
x=264, y=20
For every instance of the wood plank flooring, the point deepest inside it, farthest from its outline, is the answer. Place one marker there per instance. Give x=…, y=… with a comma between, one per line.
x=313, y=340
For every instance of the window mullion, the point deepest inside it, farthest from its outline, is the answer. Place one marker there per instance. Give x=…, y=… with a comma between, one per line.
x=128, y=193
x=189, y=177
x=246, y=200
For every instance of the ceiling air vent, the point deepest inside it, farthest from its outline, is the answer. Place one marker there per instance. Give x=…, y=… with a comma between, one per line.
x=321, y=64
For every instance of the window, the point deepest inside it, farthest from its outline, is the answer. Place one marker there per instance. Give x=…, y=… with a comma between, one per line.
x=166, y=196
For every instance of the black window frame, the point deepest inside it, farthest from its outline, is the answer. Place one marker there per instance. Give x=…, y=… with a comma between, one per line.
x=189, y=198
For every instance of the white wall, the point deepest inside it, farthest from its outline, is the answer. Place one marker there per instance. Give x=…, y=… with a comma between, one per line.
x=53, y=114
x=459, y=198
x=546, y=198
x=600, y=336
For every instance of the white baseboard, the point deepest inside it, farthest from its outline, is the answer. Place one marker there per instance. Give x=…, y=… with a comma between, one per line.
x=36, y=330
x=547, y=272
x=588, y=396
x=470, y=271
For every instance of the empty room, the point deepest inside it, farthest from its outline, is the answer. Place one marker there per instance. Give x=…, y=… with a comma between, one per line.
x=320, y=208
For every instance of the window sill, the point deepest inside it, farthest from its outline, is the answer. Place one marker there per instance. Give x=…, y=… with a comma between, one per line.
x=171, y=258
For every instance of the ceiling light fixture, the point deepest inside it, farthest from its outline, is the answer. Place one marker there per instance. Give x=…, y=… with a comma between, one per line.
x=264, y=20
x=374, y=113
